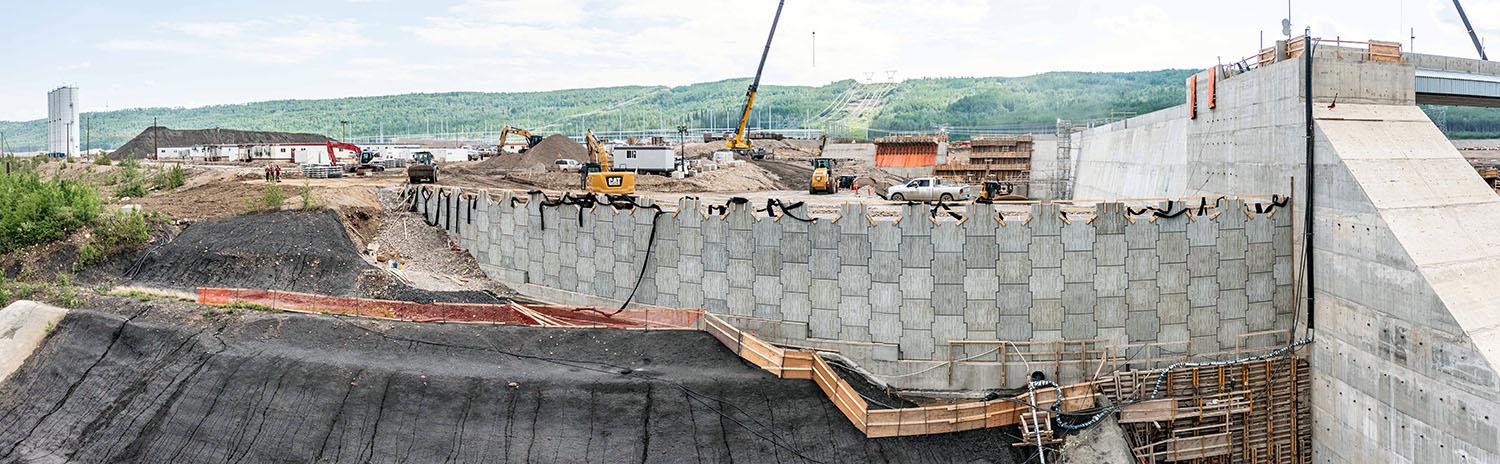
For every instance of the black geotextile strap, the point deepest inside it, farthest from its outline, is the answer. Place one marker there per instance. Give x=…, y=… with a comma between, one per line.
x=650, y=244
x=773, y=204
x=722, y=210
x=945, y=208
x=1277, y=201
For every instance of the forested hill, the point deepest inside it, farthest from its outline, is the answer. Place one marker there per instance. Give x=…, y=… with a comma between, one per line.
x=846, y=108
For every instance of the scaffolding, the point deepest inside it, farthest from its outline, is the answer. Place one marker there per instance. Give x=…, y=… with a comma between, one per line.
x=1063, y=189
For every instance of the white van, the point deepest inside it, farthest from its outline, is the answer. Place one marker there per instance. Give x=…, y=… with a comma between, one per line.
x=567, y=165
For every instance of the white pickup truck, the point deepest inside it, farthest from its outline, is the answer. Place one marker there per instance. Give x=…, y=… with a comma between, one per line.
x=927, y=189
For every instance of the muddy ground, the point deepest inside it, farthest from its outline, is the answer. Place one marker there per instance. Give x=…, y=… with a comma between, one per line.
x=127, y=381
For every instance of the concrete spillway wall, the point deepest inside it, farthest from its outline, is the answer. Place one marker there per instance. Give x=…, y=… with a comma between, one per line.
x=891, y=293
x=1405, y=351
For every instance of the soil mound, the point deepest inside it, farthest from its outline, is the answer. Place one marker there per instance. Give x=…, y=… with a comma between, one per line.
x=161, y=382
x=541, y=156
x=142, y=145
x=299, y=251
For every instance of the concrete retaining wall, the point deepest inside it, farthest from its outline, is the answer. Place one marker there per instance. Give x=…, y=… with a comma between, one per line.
x=891, y=293
x=1405, y=351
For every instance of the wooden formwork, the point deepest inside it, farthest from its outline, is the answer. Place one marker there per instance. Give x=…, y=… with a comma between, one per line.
x=1249, y=412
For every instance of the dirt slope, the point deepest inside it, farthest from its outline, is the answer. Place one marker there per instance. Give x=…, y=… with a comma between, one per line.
x=161, y=382
x=141, y=145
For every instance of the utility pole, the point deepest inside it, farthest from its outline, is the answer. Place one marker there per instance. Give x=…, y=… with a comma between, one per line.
x=155, y=143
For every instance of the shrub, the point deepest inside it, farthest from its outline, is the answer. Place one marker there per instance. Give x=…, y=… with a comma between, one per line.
x=34, y=211
x=131, y=184
x=170, y=178
x=272, y=198
x=88, y=254
x=121, y=229
x=102, y=160
x=308, y=202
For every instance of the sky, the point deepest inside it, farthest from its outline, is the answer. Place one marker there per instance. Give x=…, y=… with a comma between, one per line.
x=154, y=53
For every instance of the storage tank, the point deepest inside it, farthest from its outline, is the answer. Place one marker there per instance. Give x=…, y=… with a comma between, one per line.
x=62, y=121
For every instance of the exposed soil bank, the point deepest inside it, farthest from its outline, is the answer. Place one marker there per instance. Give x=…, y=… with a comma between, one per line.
x=165, y=382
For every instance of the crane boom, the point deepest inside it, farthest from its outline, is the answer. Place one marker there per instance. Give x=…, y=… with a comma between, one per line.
x=1472, y=36
x=740, y=142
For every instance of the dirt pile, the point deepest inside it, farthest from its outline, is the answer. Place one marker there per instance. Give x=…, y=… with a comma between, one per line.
x=169, y=382
x=142, y=145
x=299, y=251
x=540, y=157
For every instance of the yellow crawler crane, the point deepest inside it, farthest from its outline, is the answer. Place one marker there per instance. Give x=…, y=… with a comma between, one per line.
x=740, y=143
x=597, y=177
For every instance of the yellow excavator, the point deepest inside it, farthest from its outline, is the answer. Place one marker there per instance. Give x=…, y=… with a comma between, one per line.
x=597, y=177
x=740, y=143
x=531, y=139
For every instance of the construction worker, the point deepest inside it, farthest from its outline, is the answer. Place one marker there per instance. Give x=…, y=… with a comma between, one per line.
x=276, y=172
x=268, y=173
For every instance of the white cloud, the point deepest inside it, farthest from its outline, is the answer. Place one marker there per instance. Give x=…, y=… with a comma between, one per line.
x=286, y=40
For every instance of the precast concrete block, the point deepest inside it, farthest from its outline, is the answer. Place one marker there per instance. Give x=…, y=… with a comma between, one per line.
x=1046, y=251
x=1232, y=274
x=716, y=305
x=885, y=266
x=1014, y=299
x=981, y=314
x=1172, y=247
x=740, y=244
x=1232, y=243
x=767, y=233
x=948, y=299
x=1173, y=224
x=796, y=277
x=1079, y=298
x=1281, y=270
x=1282, y=237
x=980, y=283
x=916, y=251
x=1260, y=316
x=854, y=249
x=767, y=289
x=854, y=311
x=945, y=328
x=1172, y=277
x=741, y=273
x=1141, y=235
x=1013, y=238
x=824, y=235
x=1109, y=218
x=1260, y=287
x=796, y=247
x=916, y=314
x=916, y=283
x=1110, y=312
x=853, y=218
x=796, y=307
x=1110, y=250
x=690, y=241
x=1232, y=304
x=854, y=281
x=1046, y=220
x=1141, y=265
x=885, y=328
x=1202, y=232
x=824, y=323
x=1172, y=333
x=1046, y=283
x=1203, y=343
x=1013, y=268
x=1141, y=326
x=915, y=220
x=766, y=261
x=715, y=284
x=948, y=267
x=1203, y=291
x=885, y=297
x=1203, y=321
x=825, y=294
x=854, y=333
x=825, y=264
x=1078, y=236
x=980, y=252
x=1173, y=308
x=1142, y=296
x=1079, y=327
x=689, y=269
x=1111, y=281
x=1203, y=261
x=1260, y=257
x=948, y=237
x=885, y=236
x=1259, y=230
x=916, y=345
x=1046, y=314
x=603, y=284
x=1078, y=266
x=715, y=257
x=1013, y=328
x=667, y=279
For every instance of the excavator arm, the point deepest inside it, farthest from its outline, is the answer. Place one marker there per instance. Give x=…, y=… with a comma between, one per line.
x=740, y=140
x=597, y=153
x=531, y=139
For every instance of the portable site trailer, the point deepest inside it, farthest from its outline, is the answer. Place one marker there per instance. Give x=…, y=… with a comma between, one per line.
x=318, y=153
x=643, y=158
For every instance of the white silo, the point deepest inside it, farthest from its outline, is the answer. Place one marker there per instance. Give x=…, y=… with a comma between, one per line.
x=62, y=121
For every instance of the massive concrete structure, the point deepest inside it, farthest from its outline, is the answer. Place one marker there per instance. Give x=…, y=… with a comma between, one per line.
x=1404, y=251
x=62, y=121
x=891, y=293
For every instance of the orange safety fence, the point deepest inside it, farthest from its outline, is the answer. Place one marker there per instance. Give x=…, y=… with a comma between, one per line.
x=511, y=313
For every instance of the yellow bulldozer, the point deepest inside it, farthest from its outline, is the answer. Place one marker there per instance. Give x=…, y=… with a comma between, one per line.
x=822, y=177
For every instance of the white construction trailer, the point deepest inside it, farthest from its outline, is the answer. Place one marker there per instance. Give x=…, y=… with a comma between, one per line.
x=643, y=158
